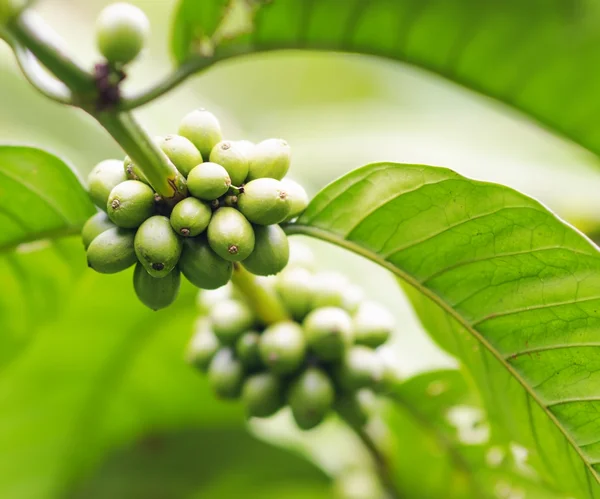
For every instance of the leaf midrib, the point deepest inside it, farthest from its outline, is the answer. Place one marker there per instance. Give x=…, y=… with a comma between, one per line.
x=359, y=250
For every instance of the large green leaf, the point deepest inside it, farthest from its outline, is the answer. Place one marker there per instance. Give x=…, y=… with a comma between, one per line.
x=518, y=279
x=40, y=197
x=540, y=57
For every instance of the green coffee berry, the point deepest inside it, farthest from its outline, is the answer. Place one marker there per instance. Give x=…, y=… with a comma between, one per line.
x=121, y=31
x=329, y=289
x=301, y=256
x=104, y=177
x=112, y=251
x=271, y=158
x=328, y=332
x=153, y=292
x=203, y=345
x=283, y=347
x=95, y=226
x=190, y=217
x=361, y=367
x=134, y=172
x=203, y=129
x=130, y=203
x=373, y=324
x=206, y=299
x=311, y=397
x=230, y=235
x=294, y=286
x=202, y=266
x=264, y=201
x=226, y=374
x=157, y=247
x=271, y=251
x=230, y=200
x=297, y=197
x=262, y=395
x=352, y=409
x=232, y=157
x=182, y=153
x=247, y=349
x=247, y=148
x=208, y=181
x=230, y=319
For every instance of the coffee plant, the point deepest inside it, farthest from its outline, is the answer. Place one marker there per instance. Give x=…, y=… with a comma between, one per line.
x=276, y=341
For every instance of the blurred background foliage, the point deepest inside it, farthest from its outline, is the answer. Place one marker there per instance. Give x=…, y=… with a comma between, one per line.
x=95, y=400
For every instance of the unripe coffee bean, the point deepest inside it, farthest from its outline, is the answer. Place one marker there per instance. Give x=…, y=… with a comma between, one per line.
x=232, y=157
x=297, y=197
x=271, y=251
x=262, y=395
x=134, y=172
x=206, y=299
x=264, y=201
x=156, y=293
x=104, y=177
x=112, y=251
x=182, y=153
x=301, y=256
x=328, y=332
x=294, y=286
x=202, y=266
x=203, y=345
x=130, y=203
x=329, y=289
x=311, y=397
x=226, y=374
x=373, y=324
x=230, y=235
x=247, y=349
x=247, y=148
x=190, y=217
x=230, y=319
x=95, y=226
x=283, y=347
x=203, y=129
x=157, y=247
x=121, y=31
x=361, y=367
x=208, y=181
x=271, y=158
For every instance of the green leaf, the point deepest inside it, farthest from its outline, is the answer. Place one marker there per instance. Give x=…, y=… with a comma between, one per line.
x=40, y=197
x=523, y=283
x=195, y=21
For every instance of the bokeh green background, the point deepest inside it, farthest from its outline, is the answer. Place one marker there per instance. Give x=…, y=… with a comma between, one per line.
x=95, y=400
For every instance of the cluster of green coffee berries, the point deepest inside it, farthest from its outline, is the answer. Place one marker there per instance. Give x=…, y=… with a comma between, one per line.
x=324, y=357
x=236, y=202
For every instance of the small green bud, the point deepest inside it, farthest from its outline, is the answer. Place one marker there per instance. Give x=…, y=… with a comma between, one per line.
x=190, y=217
x=262, y=395
x=301, y=256
x=328, y=332
x=283, y=347
x=271, y=251
x=360, y=368
x=232, y=157
x=264, y=201
x=373, y=324
x=112, y=251
x=121, y=31
x=203, y=129
x=130, y=203
x=297, y=197
x=203, y=346
x=182, y=153
x=226, y=374
x=208, y=181
x=202, y=266
x=247, y=349
x=294, y=286
x=103, y=178
x=271, y=158
x=157, y=247
x=311, y=397
x=95, y=226
x=156, y=293
x=134, y=172
x=230, y=200
x=329, y=289
x=230, y=235
x=230, y=319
